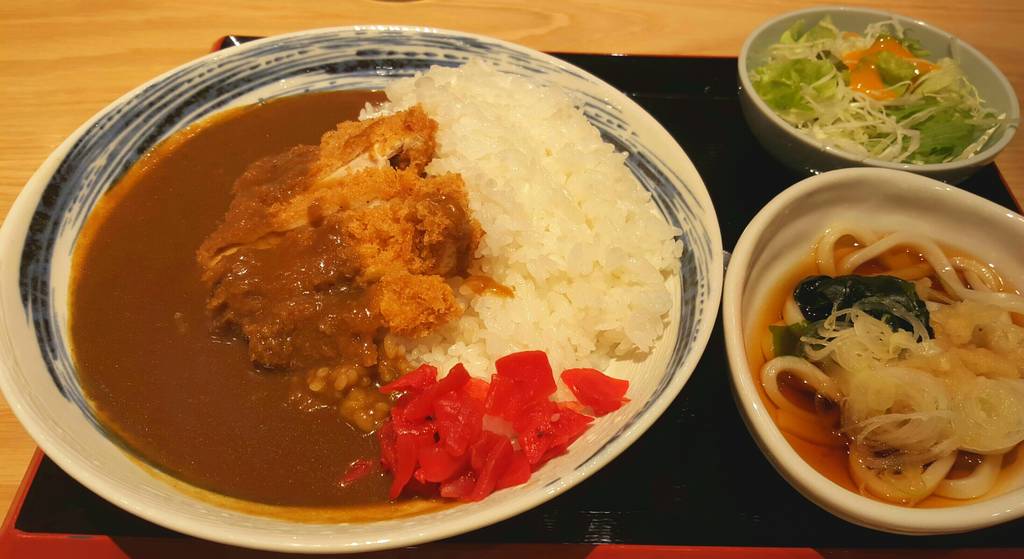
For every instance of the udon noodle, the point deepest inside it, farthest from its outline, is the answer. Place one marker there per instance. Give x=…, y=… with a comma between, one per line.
x=914, y=356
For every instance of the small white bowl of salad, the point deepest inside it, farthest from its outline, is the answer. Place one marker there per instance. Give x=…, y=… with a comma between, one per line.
x=834, y=87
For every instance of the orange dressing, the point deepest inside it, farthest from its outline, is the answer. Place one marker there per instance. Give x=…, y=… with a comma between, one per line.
x=864, y=75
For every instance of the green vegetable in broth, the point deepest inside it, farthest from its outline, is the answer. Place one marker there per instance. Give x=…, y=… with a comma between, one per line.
x=887, y=298
x=786, y=339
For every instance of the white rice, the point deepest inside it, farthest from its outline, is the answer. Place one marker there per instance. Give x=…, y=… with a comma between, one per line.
x=567, y=226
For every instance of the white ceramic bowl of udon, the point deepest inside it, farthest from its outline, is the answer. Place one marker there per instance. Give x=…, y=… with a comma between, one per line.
x=782, y=235
x=36, y=370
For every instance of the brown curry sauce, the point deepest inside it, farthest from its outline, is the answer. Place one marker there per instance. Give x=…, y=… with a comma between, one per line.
x=190, y=403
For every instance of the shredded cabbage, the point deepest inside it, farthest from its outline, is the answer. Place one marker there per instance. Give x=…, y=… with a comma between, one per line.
x=934, y=118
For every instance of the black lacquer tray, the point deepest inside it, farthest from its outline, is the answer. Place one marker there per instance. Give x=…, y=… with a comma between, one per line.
x=696, y=478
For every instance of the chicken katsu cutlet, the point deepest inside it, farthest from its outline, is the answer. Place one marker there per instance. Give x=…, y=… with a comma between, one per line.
x=326, y=251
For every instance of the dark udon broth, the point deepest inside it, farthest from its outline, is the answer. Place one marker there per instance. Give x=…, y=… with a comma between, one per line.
x=820, y=443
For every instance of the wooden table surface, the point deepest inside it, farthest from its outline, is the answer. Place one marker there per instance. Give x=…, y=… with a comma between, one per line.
x=61, y=61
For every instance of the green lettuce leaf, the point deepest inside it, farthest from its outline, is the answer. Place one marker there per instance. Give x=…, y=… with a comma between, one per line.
x=894, y=69
x=781, y=85
x=819, y=32
x=901, y=113
x=915, y=48
x=793, y=34
x=945, y=134
x=796, y=33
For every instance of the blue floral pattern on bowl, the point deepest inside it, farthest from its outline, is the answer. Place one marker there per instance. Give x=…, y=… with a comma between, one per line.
x=41, y=233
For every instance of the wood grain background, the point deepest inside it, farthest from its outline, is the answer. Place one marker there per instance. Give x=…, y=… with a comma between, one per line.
x=61, y=61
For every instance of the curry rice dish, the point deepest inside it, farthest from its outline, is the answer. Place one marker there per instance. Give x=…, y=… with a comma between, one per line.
x=241, y=294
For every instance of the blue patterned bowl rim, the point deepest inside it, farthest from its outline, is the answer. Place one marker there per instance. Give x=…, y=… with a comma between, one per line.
x=48, y=214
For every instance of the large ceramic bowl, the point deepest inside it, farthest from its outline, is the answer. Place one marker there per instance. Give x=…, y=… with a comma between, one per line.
x=37, y=372
x=803, y=153
x=782, y=235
